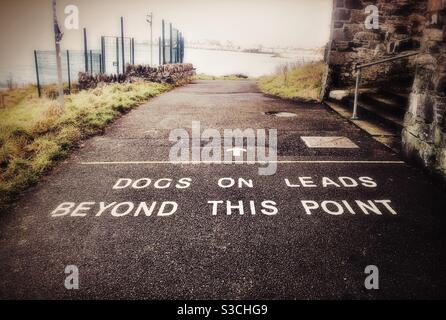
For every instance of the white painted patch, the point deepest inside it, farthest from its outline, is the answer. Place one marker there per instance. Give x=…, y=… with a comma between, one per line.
x=329, y=142
x=285, y=115
x=281, y=114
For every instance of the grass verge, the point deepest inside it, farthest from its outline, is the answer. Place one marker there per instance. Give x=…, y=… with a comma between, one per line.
x=36, y=132
x=293, y=81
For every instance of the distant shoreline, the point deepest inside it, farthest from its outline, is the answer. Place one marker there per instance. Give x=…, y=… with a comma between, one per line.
x=315, y=51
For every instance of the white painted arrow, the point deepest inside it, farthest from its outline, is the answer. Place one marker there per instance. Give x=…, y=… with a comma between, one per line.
x=237, y=151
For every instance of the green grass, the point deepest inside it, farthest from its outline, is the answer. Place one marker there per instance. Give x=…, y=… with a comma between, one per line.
x=36, y=132
x=203, y=76
x=295, y=82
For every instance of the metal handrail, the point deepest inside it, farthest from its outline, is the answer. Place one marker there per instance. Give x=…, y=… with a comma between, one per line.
x=358, y=68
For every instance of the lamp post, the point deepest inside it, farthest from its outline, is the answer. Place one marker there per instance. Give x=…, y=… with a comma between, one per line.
x=149, y=19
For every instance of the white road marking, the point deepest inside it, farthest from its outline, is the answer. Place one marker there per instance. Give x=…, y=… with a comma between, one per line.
x=237, y=151
x=329, y=142
x=244, y=162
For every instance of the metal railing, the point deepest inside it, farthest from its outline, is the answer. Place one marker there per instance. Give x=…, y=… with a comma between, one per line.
x=358, y=69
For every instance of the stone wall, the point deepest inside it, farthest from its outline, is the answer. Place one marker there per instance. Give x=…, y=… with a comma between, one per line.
x=405, y=25
x=168, y=73
x=424, y=135
x=401, y=24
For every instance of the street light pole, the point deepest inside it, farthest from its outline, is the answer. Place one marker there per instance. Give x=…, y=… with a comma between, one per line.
x=149, y=19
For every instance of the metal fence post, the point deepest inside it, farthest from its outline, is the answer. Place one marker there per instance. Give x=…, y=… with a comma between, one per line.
x=91, y=62
x=177, y=58
x=176, y=46
x=103, y=54
x=164, y=42
x=181, y=48
x=68, y=71
x=122, y=45
x=37, y=74
x=117, y=55
x=85, y=50
x=170, y=44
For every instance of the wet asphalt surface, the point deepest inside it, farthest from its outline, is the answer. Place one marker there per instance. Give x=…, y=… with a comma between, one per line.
x=193, y=254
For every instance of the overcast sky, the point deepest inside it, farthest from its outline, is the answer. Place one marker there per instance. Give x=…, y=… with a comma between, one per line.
x=26, y=24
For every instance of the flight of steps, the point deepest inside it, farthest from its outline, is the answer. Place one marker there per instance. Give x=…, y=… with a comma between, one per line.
x=381, y=112
x=385, y=106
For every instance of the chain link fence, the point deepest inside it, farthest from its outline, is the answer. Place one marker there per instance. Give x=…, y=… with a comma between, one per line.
x=112, y=57
x=73, y=62
x=116, y=53
x=146, y=54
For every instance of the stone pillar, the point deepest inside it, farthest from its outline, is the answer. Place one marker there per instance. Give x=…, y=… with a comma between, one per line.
x=424, y=135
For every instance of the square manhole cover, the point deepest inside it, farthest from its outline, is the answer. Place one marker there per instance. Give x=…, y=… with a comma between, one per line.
x=329, y=142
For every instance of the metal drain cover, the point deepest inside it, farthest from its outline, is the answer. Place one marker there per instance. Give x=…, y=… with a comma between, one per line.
x=280, y=114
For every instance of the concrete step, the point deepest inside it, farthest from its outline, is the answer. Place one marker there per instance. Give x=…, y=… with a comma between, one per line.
x=387, y=102
x=385, y=115
x=382, y=106
x=381, y=111
x=399, y=95
x=389, y=135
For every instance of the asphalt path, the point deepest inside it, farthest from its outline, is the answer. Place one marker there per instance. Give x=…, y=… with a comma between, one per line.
x=306, y=232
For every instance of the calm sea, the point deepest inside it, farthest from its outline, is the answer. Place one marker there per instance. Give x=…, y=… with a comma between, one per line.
x=211, y=62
